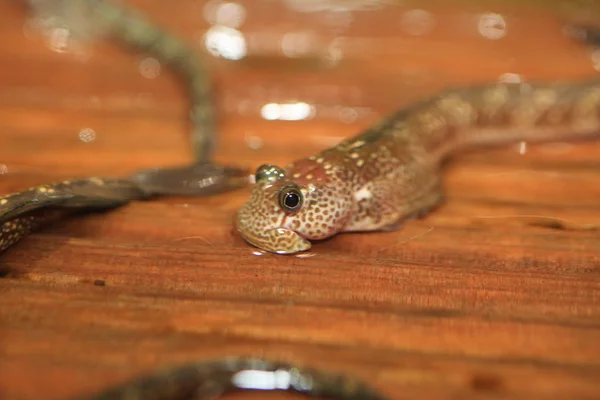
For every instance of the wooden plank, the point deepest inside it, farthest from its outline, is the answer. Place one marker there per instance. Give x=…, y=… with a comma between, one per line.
x=496, y=293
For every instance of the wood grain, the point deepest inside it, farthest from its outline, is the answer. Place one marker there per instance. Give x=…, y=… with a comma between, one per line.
x=494, y=295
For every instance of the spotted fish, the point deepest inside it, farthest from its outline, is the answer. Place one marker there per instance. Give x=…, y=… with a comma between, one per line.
x=209, y=379
x=391, y=171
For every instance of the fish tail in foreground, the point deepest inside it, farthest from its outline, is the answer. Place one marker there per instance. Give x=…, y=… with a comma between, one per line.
x=391, y=171
x=22, y=212
x=211, y=379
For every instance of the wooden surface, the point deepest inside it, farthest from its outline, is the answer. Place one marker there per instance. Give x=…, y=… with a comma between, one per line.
x=494, y=295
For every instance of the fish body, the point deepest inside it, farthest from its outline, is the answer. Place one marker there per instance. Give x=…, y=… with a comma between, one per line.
x=391, y=171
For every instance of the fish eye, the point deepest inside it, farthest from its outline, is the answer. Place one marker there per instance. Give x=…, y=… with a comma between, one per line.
x=268, y=172
x=290, y=198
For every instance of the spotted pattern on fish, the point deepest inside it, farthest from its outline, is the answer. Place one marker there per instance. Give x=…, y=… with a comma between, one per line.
x=391, y=171
x=14, y=230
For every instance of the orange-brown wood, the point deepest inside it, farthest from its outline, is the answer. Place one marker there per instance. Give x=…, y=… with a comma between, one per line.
x=496, y=293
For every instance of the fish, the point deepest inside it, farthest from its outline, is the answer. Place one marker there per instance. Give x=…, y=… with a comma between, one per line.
x=209, y=379
x=391, y=172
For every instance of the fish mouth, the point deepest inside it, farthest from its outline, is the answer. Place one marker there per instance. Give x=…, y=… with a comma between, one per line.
x=275, y=240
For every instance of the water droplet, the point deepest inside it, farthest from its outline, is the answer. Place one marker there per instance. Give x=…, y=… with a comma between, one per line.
x=510, y=78
x=492, y=26
x=222, y=41
x=58, y=40
x=150, y=68
x=306, y=255
x=87, y=135
x=228, y=14
x=287, y=111
x=254, y=142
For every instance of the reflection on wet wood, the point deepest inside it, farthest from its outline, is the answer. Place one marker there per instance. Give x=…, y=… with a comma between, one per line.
x=497, y=292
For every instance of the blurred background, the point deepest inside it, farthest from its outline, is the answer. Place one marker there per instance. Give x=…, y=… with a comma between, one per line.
x=331, y=67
